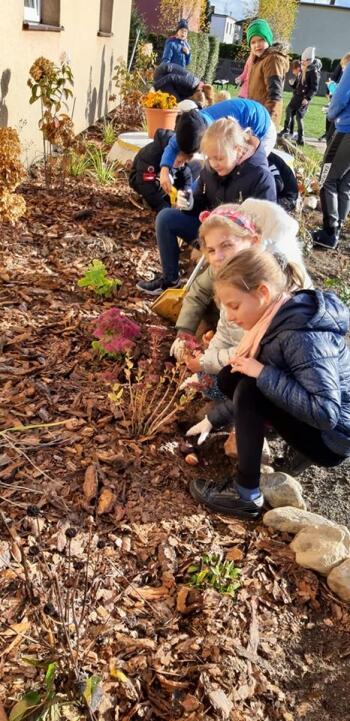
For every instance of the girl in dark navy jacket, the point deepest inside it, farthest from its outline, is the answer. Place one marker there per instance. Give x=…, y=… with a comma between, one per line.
x=236, y=169
x=291, y=369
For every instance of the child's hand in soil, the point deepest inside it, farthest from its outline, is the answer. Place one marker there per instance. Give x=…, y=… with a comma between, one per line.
x=193, y=362
x=248, y=366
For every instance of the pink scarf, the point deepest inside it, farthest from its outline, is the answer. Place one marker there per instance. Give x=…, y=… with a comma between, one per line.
x=249, y=345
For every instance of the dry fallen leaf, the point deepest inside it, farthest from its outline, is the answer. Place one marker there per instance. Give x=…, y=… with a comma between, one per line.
x=234, y=554
x=106, y=501
x=90, y=483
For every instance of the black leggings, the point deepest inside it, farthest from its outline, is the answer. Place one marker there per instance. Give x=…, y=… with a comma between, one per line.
x=251, y=411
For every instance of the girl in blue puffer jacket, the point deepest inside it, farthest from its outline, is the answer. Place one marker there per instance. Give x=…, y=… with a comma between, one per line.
x=291, y=370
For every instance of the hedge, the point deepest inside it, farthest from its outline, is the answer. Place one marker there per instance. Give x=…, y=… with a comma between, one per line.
x=213, y=59
x=202, y=54
x=235, y=51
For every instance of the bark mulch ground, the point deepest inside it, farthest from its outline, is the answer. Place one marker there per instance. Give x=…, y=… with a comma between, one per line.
x=157, y=647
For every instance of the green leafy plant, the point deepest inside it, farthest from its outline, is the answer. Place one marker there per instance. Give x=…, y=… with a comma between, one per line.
x=95, y=279
x=46, y=704
x=109, y=135
x=100, y=168
x=213, y=572
x=342, y=288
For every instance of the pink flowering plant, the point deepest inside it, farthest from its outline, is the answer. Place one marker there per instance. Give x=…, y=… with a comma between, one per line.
x=115, y=334
x=150, y=398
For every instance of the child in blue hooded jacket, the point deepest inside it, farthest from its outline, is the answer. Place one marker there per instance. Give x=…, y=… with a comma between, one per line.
x=176, y=49
x=335, y=171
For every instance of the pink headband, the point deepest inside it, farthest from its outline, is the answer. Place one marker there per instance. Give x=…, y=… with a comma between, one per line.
x=234, y=215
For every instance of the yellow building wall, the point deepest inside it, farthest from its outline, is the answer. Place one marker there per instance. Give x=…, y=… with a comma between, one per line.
x=92, y=61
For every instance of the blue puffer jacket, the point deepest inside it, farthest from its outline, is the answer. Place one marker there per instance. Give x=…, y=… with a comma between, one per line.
x=173, y=52
x=307, y=365
x=339, y=109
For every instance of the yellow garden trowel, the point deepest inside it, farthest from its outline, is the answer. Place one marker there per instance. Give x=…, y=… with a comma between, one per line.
x=168, y=304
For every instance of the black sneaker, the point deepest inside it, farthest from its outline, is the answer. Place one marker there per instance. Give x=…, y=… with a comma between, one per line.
x=223, y=498
x=157, y=285
x=324, y=239
x=300, y=141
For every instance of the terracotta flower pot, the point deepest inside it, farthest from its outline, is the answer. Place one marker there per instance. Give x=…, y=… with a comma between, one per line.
x=157, y=118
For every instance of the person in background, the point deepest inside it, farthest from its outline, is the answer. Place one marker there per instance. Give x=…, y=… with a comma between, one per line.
x=335, y=171
x=291, y=369
x=331, y=84
x=176, y=48
x=176, y=80
x=236, y=169
x=268, y=68
x=288, y=128
x=243, y=79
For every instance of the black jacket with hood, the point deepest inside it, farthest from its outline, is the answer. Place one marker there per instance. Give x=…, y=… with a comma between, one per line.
x=173, y=79
x=306, y=86
x=250, y=179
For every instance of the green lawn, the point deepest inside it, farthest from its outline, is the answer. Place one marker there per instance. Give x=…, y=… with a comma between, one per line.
x=315, y=119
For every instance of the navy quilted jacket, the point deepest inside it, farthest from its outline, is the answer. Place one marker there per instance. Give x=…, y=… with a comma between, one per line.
x=307, y=364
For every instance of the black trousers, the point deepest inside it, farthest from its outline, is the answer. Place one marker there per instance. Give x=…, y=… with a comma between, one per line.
x=251, y=411
x=294, y=113
x=335, y=182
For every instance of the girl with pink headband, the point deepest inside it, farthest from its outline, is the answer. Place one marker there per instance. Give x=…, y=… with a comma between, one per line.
x=225, y=231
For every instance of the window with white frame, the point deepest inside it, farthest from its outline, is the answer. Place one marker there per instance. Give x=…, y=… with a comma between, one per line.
x=32, y=11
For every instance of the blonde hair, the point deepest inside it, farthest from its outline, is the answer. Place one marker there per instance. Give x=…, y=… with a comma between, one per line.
x=222, y=95
x=226, y=134
x=254, y=266
x=345, y=60
x=204, y=96
x=226, y=224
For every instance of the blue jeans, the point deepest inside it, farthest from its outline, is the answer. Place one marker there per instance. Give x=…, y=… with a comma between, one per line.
x=171, y=223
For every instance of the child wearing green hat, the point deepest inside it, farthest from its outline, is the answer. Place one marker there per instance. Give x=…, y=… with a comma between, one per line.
x=268, y=69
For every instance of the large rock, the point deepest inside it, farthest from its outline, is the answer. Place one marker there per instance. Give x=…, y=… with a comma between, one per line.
x=291, y=520
x=280, y=489
x=339, y=580
x=321, y=549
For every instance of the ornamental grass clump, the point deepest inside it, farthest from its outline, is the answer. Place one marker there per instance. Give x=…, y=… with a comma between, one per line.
x=12, y=205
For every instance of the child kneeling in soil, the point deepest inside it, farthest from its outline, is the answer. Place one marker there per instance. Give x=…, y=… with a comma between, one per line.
x=226, y=230
x=144, y=173
x=236, y=169
x=291, y=369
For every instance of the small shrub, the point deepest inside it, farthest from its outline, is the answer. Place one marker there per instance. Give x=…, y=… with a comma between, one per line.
x=95, y=279
x=12, y=205
x=115, y=333
x=213, y=572
x=149, y=399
